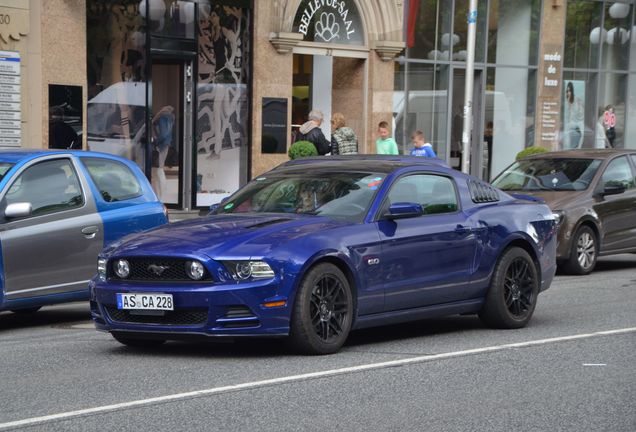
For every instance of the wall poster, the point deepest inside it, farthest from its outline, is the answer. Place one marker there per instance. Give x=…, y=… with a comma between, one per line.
x=573, y=114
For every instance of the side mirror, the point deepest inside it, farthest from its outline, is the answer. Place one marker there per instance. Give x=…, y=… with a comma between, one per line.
x=215, y=207
x=18, y=210
x=403, y=210
x=613, y=189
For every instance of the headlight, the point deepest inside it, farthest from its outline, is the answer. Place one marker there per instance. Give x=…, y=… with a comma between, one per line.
x=122, y=268
x=194, y=270
x=245, y=270
x=101, y=268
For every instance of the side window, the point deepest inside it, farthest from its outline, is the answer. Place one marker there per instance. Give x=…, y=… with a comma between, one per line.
x=435, y=193
x=115, y=181
x=618, y=172
x=49, y=186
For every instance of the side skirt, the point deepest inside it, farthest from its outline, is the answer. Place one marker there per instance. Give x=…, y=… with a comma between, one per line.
x=434, y=311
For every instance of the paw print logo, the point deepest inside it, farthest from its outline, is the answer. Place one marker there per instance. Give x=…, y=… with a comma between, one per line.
x=327, y=28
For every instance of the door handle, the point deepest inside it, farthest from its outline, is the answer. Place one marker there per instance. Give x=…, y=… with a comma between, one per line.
x=90, y=231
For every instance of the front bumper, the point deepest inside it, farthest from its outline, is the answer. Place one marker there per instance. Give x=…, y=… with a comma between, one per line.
x=225, y=310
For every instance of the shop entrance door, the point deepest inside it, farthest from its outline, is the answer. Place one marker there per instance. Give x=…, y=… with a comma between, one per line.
x=171, y=131
x=478, y=153
x=331, y=82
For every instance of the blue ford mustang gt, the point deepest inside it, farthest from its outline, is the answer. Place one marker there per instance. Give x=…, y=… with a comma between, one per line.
x=318, y=247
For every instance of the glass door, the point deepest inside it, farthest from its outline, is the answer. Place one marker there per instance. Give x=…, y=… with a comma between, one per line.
x=171, y=131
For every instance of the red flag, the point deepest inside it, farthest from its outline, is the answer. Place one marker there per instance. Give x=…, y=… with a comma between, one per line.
x=414, y=6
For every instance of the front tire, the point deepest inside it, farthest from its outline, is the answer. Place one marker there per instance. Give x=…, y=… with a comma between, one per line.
x=134, y=342
x=584, y=252
x=513, y=291
x=323, y=311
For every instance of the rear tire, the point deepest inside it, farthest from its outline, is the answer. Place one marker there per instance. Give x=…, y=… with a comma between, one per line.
x=323, y=311
x=135, y=342
x=583, y=253
x=513, y=291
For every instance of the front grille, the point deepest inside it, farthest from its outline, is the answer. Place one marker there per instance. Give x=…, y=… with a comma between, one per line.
x=165, y=270
x=176, y=317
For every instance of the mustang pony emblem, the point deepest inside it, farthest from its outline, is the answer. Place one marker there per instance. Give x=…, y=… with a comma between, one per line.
x=157, y=269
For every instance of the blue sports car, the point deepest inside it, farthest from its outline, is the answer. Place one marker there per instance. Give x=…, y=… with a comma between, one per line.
x=320, y=246
x=58, y=209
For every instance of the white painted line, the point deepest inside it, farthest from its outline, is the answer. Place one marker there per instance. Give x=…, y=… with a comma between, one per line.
x=594, y=364
x=302, y=377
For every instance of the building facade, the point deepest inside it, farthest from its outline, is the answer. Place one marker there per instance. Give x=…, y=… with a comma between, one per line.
x=206, y=94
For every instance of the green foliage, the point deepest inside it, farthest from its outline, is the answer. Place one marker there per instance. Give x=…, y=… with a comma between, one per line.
x=531, y=151
x=302, y=149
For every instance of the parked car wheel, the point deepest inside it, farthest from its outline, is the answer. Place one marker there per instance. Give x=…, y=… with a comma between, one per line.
x=323, y=310
x=137, y=342
x=26, y=311
x=584, y=252
x=513, y=291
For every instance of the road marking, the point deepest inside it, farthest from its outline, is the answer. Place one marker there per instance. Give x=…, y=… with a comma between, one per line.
x=594, y=364
x=302, y=377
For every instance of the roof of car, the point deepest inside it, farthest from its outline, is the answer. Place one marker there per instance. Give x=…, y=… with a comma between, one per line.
x=17, y=155
x=376, y=163
x=582, y=153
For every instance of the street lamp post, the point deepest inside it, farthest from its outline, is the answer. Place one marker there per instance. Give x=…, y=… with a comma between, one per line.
x=468, y=90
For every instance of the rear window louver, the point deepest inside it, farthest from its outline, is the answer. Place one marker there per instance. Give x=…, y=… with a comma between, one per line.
x=482, y=192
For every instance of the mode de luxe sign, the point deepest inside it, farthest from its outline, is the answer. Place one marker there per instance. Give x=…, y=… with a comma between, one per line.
x=329, y=21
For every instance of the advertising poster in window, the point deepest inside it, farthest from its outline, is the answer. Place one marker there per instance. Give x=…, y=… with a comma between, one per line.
x=222, y=97
x=573, y=114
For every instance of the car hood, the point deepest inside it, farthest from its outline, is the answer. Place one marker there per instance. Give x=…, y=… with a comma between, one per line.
x=556, y=200
x=225, y=235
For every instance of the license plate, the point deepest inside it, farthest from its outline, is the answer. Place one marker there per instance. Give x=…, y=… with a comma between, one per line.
x=137, y=301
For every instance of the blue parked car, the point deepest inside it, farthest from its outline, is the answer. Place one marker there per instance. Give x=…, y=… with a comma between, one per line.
x=58, y=209
x=318, y=247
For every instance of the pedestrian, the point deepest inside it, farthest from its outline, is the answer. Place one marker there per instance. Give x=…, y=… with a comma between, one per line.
x=420, y=146
x=343, y=138
x=385, y=144
x=310, y=131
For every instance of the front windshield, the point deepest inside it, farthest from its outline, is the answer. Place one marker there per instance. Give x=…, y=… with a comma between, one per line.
x=334, y=194
x=562, y=174
x=4, y=167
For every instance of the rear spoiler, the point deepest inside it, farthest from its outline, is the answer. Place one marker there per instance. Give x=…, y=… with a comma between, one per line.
x=528, y=198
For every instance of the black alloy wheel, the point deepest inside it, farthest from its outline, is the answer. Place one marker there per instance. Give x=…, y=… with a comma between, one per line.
x=323, y=310
x=512, y=296
x=584, y=252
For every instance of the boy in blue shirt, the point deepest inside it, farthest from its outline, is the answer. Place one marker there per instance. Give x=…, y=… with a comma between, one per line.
x=420, y=146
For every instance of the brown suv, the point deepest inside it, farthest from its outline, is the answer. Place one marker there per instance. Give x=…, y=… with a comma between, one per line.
x=591, y=192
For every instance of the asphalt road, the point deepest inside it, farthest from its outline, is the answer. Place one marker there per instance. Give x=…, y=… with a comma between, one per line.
x=572, y=369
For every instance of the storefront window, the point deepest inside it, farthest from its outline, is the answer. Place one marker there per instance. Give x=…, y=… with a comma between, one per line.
x=329, y=22
x=174, y=18
x=460, y=31
x=513, y=32
x=618, y=18
x=611, y=109
x=583, y=34
x=223, y=102
x=425, y=108
x=429, y=33
x=508, y=95
x=630, y=127
x=116, y=64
